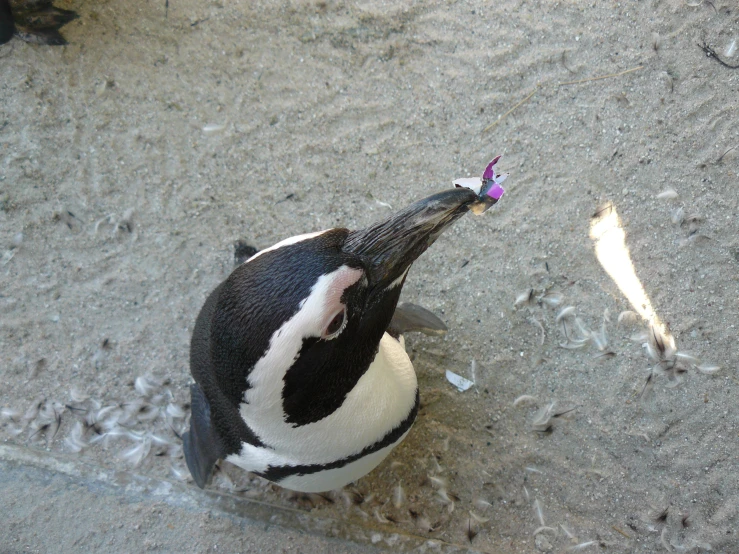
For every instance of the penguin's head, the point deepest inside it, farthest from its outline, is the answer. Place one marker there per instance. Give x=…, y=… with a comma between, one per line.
x=302, y=320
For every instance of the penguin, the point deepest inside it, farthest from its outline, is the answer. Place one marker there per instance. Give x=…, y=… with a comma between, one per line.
x=300, y=370
x=35, y=21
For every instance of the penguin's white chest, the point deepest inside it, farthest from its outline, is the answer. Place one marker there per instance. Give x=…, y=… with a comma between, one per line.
x=342, y=447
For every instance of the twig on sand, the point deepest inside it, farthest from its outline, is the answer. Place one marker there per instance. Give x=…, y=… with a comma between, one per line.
x=637, y=68
x=514, y=108
x=539, y=85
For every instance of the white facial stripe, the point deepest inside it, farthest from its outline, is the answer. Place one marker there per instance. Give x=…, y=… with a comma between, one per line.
x=287, y=242
x=266, y=379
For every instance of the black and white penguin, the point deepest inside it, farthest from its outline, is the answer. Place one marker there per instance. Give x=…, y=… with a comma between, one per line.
x=300, y=370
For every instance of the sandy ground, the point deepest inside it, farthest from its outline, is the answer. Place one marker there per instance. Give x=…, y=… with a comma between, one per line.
x=134, y=158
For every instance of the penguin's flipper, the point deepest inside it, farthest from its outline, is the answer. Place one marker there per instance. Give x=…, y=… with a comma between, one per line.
x=7, y=24
x=38, y=22
x=412, y=317
x=201, y=443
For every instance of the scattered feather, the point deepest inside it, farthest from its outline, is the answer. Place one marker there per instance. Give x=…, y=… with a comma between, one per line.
x=10, y=413
x=223, y=481
x=75, y=441
x=436, y=468
x=569, y=311
x=524, y=299
x=663, y=540
x=175, y=411
x=471, y=532
x=581, y=546
x=477, y=518
x=573, y=345
x=708, y=369
x=533, y=470
x=687, y=358
x=599, y=340
x=379, y=517
x=351, y=497
x=438, y=482
x=539, y=512
x=567, y=532
x=33, y=410
x=481, y=503
x=147, y=413
x=145, y=386
x=678, y=216
x=544, y=528
x=582, y=328
x=158, y=441
x=552, y=299
x=446, y=496
x=136, y=454
x=179, y=473
x=524, y=398
x=421, y=521
x=76, y=396
x=538, y=324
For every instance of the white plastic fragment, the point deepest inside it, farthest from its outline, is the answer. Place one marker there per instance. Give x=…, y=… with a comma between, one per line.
x=458, y=381
x=398, y=496
x=668, y=194
x=214, y=128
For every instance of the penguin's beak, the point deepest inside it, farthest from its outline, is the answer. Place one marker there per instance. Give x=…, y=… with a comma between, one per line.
x=389, y=247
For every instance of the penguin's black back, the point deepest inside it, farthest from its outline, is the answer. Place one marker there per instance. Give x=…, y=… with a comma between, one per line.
x=216, y=428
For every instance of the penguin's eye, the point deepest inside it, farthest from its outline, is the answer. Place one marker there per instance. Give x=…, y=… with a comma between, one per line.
x=336, y=325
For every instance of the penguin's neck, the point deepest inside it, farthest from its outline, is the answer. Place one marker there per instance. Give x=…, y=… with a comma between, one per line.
x=382, y=399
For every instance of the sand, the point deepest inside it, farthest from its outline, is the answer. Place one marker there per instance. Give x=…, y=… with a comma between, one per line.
x=133, y=158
